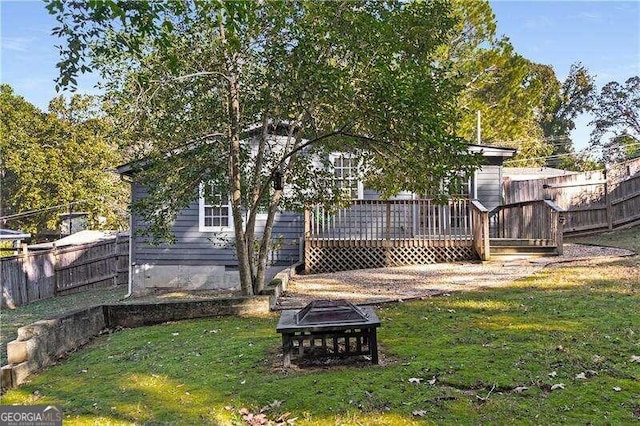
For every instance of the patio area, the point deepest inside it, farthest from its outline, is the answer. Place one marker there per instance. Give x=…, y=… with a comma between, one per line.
x=371, y=286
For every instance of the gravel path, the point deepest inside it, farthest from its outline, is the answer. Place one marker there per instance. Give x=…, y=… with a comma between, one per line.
x=369, y=286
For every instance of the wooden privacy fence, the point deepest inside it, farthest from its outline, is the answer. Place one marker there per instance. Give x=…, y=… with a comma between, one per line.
x=591, y=201
x=378, y=233
x=43, y=274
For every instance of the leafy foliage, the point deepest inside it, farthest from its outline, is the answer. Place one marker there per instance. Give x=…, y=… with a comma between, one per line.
x=522, y=104
x=58, y=161
x=617, y=120
x=496, y=81
x=241, y=90
x=562, y=105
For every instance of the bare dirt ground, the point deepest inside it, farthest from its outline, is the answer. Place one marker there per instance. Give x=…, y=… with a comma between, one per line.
x=370, y=286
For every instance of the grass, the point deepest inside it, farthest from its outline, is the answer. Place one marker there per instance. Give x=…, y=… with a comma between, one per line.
x=576, y=325
x=12, y=319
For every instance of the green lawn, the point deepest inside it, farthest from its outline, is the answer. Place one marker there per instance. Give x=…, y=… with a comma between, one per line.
x=12, y=319
x=558, y=347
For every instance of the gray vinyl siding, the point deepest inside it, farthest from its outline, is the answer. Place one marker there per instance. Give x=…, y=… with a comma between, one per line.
x=487, y=183
x=193, y=247
x=371, y=194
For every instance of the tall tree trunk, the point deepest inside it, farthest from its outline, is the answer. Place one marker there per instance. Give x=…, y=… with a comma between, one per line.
x=235, y=178
x=235, y=171
x=265, y=244
x=257, y=191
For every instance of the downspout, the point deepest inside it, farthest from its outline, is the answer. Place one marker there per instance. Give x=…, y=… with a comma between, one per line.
x=130, y=278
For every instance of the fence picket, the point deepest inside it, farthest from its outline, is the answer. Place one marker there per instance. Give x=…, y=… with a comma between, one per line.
x=41, y=275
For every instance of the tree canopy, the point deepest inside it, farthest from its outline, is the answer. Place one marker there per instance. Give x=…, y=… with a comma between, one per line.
x=57, y=162
x=522, y=104
x=358, y=77
x=617, y=121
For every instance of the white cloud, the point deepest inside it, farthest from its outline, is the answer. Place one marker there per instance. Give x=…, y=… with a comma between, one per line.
x=17, y=44
x=618, y=73
x=590, y=16
x=538, y=22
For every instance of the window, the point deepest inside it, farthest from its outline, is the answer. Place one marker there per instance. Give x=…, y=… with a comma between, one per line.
x=345, y=172
x=215, y=211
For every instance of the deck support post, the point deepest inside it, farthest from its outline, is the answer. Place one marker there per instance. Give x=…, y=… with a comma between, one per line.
x=481, y=230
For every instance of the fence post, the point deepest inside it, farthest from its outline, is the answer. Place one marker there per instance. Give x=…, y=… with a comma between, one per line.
x=55, y=268
x=116, y=261
x=607, y=200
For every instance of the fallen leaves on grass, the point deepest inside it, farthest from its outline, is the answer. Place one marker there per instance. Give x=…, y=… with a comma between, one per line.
x=261, y=418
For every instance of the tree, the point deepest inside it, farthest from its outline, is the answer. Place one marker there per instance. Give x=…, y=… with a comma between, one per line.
x=192, y=77
x=56, y=161
x=617, y=120
x=561, y=104
x=502, y=85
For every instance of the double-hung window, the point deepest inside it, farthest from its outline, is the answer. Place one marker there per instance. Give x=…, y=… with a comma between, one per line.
x=214, y=209
x=345, y=173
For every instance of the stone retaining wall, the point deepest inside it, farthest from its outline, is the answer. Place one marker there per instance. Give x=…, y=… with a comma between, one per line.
x=40, y=344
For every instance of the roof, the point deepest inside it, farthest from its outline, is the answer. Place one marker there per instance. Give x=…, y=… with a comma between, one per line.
x=130, y=168
x=82, y=237
x=492, y=151
x=526, y=173
x=13, y=235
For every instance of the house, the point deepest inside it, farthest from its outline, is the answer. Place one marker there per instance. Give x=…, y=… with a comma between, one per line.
x=203, y=256
x=13, y=238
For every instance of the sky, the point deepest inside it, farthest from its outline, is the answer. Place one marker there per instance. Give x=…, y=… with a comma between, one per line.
x=603, y=35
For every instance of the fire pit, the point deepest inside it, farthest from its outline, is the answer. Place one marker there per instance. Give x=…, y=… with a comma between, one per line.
x=329, y=328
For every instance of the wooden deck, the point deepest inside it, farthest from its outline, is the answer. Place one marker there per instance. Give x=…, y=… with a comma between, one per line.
x=378, y=233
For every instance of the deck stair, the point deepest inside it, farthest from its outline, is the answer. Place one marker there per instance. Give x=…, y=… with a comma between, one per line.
x=520, y=247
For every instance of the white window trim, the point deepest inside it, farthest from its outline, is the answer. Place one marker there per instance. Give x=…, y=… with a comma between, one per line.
x=360, y=185
x=201, y=206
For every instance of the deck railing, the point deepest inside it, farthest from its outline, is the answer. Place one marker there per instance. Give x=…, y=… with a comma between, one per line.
x=539, y=221
x=379, y=223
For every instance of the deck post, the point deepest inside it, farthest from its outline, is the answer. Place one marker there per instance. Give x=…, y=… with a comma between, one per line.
x=559, y=236
x=481, y=230
x=306, y=239
x=388, y=236
x=485, y=236
x=607, y=198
